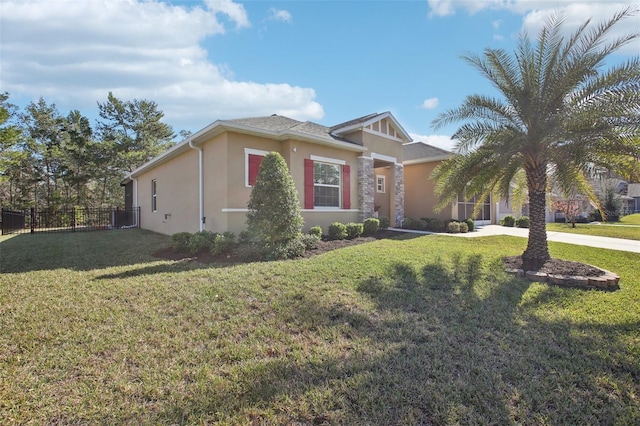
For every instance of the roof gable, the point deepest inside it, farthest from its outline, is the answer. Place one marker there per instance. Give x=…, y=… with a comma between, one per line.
x=384, y=124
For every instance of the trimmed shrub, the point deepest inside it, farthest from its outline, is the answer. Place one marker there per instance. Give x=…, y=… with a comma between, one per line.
x=384, y=222
x=464, y=228
x=245, y=237
x=370, y=226
x=223, y=243
x=315, y=230
x=274, y=210
x=523, y=222
x=337, y=231
x=354, y=230
x=453, y=227
x=293, y=248
x=201, y=241
x=470, y=224
x=508, y=221
x=310, y=241
x=180, y=241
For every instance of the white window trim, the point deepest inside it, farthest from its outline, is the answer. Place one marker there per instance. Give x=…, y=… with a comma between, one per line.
x=327, y=160
x=251, y=151
x=384, y=184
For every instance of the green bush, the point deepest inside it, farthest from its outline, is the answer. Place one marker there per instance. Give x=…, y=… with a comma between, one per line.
x=508, y=221
x=464, y=228
x=201, y=241
x=384, y=222
x=293, y=248
x=274, y=217
x=245, y=237
x=370, y=226
x=180, y=241
x=315, y=230
x=470, y=224
x=223, y=243
x=523, y=222
x=337, y=231
x=310, y=241
x=354, y=230
x=453, y=227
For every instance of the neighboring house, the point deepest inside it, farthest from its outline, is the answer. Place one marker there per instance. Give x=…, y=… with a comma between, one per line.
x=633, y=192
x=343, y=173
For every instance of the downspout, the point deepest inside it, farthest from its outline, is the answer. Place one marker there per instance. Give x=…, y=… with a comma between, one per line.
x=135, y=191
x=200, y=182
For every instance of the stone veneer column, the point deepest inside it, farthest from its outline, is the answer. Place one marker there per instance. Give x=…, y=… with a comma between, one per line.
x=399, y=194
x=365, y=187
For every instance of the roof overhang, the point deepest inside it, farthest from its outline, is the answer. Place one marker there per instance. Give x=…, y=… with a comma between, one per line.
x=427, y=159
x=220, y=126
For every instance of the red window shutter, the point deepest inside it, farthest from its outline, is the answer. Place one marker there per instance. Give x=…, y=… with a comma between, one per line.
x=308, y=183
x=346, y=187
x=254, y=166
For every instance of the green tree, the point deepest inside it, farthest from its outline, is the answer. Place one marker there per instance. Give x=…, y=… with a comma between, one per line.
x=44, y=128
x=559, y=116
x=13, y=161
x=134, y=129
x=274, y=211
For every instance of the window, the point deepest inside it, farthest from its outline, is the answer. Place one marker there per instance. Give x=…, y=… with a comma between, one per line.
x=380, y=183
x=252, y=160
x=327, y=183
x=465, y=209
x=154, y=196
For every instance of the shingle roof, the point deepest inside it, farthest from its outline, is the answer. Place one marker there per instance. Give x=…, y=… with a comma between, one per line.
x=278, y=123
x=354, y=121
x=422, y=151
x=633, y=190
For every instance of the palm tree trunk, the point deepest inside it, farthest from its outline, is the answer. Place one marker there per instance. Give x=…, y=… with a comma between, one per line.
x=537, y=251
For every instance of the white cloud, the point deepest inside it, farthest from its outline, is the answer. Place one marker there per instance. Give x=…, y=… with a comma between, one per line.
x=74, y=52
x=536, y=12
x=279, y=15
x=430, y=103
x=440, y=141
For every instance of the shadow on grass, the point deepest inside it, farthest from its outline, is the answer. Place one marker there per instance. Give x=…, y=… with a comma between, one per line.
x=78, y=251
x=449, y=343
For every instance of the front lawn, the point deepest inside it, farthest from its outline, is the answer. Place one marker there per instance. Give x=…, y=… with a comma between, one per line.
x=425, y=330
x=604, y=230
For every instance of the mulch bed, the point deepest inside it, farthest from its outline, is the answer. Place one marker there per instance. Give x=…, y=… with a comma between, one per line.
x=238, y=257
x=557, y=267
x=553, y=266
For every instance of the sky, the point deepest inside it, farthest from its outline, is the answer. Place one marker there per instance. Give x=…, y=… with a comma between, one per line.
x=322, y=61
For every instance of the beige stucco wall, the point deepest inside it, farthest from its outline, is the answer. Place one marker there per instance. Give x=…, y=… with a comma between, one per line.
x=383, y=199
x=419, y=192
x=177, y=196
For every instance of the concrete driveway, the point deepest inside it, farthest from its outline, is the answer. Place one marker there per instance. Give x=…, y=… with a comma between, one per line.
x=561, y=237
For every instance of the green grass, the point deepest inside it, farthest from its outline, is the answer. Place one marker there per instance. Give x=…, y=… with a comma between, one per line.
x=424, y=330
x=632, y=219
x=604, y=230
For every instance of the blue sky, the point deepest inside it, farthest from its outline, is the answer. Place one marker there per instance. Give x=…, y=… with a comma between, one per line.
x=323, y=61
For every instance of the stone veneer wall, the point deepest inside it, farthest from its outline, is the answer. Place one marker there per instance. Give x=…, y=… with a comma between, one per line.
x=365, y=187
x=399, y=194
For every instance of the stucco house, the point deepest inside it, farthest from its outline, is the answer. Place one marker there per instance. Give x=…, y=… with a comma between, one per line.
x=343, y=173
x=420, y=159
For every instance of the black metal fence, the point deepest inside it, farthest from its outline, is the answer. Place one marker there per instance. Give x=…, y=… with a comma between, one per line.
x=68, y=220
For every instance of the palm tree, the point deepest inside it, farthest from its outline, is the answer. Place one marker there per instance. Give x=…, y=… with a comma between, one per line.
x=560, y=118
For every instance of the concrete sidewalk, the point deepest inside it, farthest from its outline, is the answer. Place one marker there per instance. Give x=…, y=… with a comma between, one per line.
x=561, y=237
